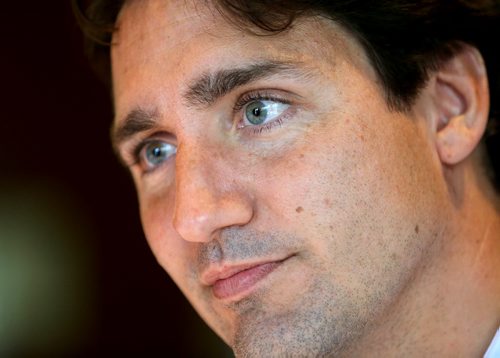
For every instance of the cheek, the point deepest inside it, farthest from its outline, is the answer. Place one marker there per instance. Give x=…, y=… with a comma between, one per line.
x=356, y=185
x=178, y=257
x=312, y=179
x=171, y=252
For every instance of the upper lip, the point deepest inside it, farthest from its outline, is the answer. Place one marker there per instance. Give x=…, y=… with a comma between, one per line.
x=222, y=271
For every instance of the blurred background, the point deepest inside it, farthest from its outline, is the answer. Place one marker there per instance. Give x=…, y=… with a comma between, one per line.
x=76, y=275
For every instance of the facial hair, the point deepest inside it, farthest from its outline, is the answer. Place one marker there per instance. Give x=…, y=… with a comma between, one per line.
x=321, y=321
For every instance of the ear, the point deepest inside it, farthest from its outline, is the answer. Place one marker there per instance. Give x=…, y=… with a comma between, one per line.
x=461, y=105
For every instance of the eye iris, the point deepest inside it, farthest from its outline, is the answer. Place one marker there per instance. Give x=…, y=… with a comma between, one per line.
x=157, y=152
x=256, y=112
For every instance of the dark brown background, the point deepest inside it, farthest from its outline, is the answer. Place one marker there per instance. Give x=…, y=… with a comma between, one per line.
x=76, y=275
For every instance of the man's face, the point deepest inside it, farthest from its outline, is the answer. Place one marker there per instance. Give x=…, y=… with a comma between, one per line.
x=288, y=203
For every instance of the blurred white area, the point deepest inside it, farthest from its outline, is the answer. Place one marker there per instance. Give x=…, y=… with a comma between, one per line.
x=47, y=303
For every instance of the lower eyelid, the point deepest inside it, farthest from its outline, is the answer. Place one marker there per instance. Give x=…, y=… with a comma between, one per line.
x=145, y=170
x=269, y=126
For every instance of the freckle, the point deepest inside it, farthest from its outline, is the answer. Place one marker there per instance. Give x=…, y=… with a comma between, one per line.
x=299, y=209
x=416, y=229
x=301, y=156
x=362, y=137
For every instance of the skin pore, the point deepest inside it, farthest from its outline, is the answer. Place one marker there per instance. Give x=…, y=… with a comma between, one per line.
x=280, y=152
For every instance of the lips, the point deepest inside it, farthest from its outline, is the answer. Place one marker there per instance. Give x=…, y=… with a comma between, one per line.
x=233, y=283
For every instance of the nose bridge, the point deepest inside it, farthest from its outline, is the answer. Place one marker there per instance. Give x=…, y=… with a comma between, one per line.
x=206, y=195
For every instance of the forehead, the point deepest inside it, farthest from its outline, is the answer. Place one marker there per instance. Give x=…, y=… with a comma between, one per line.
x=148, y=26
x=161, y=44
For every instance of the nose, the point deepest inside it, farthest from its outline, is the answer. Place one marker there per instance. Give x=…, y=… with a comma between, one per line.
x=208, y=196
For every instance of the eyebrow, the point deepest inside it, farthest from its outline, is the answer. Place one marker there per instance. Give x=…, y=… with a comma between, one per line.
x=211, y=86
x=201, y=93
x=138, y=120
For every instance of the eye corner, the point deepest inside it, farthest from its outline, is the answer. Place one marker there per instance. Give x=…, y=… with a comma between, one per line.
x=124, y=156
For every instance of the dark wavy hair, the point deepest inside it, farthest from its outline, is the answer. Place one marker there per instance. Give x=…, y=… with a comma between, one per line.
x=404, y=40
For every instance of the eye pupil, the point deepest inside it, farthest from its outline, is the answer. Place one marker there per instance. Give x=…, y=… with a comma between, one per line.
x=156, y=152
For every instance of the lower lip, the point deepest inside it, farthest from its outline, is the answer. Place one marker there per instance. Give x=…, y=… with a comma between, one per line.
x=241, y=283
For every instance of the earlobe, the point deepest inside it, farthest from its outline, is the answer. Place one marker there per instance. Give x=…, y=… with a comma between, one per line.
x=461, y=105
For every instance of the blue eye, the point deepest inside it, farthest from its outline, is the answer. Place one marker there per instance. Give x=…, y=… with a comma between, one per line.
x=263, y=111
x=154, y=153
